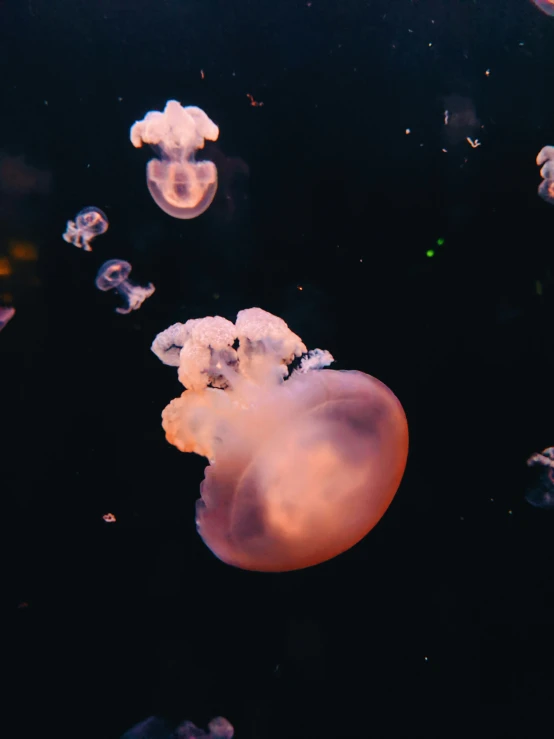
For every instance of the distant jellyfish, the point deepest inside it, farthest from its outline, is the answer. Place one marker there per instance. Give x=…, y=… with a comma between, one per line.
x=155, y=728
x=6, y=315
x=181, y=186
x=541, y=494
x=545, y=160
x=113, y=275
x=301, y=469
x=547, y=6
x=89, y=223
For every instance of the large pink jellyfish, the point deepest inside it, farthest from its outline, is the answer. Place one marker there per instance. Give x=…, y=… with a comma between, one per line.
x=181, y=186
x=300, y=468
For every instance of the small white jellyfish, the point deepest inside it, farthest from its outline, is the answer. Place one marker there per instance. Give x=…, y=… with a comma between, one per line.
x=89, y=223
x=113, y=275
x=180, y=186
x=545, y=160
x=6, y=315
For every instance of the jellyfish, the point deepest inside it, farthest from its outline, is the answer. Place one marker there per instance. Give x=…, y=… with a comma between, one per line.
x=113, y=275
x=89, y=223
x=155, y=728
x=545, y=160
x=6, y=315
x=541, y=494
x=180, y=186
x=547, y=6
x=302, y=465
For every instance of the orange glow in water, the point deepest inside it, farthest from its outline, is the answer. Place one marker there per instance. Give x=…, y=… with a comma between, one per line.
x=23, y=251
x=5, y=267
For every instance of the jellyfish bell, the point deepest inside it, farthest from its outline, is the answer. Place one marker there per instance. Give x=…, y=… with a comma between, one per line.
x=112, y=274
x=302, y=466
x=181, y=186
x=547, y=6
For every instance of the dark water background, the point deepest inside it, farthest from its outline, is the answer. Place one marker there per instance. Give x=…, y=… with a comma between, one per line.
x=439, y=624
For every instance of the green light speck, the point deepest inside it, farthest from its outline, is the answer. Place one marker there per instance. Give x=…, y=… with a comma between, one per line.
x=430, y=252
x=440, y=241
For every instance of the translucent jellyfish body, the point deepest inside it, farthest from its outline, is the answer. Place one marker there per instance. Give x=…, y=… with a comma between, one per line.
x=301, y=468
x=181, y=186
x=89, y=223
x=6, y=315
x=541, y=494
x=545, y=160
x=547, y=6
x=113, y=275
x=155, y=728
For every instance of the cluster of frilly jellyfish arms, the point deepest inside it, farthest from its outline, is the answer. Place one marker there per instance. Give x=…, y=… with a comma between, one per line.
x=545, y=160
x=302, y=466
x=156, y=728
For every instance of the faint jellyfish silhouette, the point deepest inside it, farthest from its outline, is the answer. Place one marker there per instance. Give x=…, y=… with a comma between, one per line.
x=6, y=315
x=301, y=469
x=541, y=494
x=547, y=6
x=545, y=160
x=89, y=223
x=155, y=728
x=113, y=275
x=19, y=178
x=180, y=186
x=460, y=118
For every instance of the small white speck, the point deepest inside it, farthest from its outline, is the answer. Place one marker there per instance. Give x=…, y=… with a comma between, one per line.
x=46, y=102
